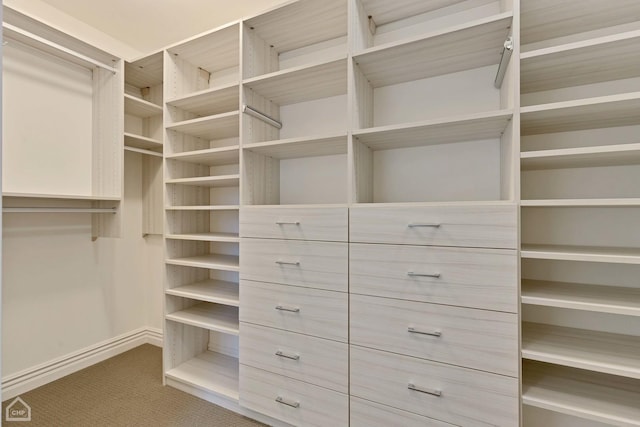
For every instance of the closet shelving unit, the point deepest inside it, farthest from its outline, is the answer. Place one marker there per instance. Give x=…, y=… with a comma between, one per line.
x=580, y=118
x=202, y=156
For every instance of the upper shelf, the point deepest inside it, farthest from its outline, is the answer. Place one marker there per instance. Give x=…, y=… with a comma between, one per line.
x=582, y=253
x=208, y=181
x=215, y=291
x=463, y=47
x=384, y=12
x=605, y=155
x=215, y=100
x=139, y=141
x=144, y=72
x=59, y=197
x=210, y=157
x=139, y=107
x=296, y=148
x=220, y=126
x=215, y=317
x=621, y=202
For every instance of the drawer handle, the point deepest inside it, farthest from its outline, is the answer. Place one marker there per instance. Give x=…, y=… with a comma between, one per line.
x=287, y=402
x=296, y=263
x=281, y=353
x=287, y=222
x=423, y=224
x=414, y=274
x=290, y=309
x=413, y=330
x=431, y=391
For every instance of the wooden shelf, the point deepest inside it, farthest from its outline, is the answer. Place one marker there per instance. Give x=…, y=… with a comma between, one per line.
x=210, y=372
x=211, y=157
x=140, y=108
x=203, y=208
x=210, y=261
x=608, y=353
x=220, y=126
x=144, y=72
x=59, y=197
x=215, y=291
x=138, y=141
x=604, y=398
x=215, y=100
x=213, y=317
x=590, y=113
x=581, y=253
x=292, y=86
x=575, y=296
x=383, y=12
x=301, y=147
x=606, y=155
x=432, y=132
x=463, y=47
x=208, y=181
x=206, y=237
x=580, y=203
x=602, y=59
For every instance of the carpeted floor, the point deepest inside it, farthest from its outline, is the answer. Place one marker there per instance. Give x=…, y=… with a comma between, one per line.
x=125, y=390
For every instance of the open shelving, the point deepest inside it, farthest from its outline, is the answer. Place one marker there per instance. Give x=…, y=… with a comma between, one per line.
x=215, y=291
x=219, y=126
x=214, y=317
x=607, y=155
x=207, y=237
x=211, y=101
x=581, y=253
x=208, y=181
x=212, y=261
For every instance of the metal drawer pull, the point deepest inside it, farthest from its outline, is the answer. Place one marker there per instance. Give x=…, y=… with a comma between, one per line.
x=296, y=263
x=423, y=224
x=287, y=402
x=281, y=353
x=287, y=222
x=417, y=331
x=414, y=274
x=431, y=391
x=291, y=309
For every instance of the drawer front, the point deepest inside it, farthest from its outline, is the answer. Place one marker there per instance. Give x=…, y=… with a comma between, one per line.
x=321, y=265
x=466, y=396
x=296, y=223
x=479, y=339
x=479, y=278
x=370, y=414
x=292, y=401
x=307, y=311
x=302, y=357
x=491, y=226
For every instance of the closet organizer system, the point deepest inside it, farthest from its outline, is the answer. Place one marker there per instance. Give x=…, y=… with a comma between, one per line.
x=375, y=215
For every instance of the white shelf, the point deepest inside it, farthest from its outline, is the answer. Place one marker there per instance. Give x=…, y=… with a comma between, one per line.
x=210, y=101
x=292, y=85
x=210, y=372
x=139, y=141
x=472, y=45
x=214, y=317
x=581, y=253
x=384, y=12
x=206, y=237
x=574, y=296
x=608, y=353
x=602, y=59
x=60, y=196
x=605, y=398
x=432, y=132
x=203, y=208
x=220, y=126
x=581, y=203
x=140, y=108
x=590, y=113
x=215, y=291
x=208, y=181
x=301, y=147
x=144, y=72
x=210, y=157
x=607, y=155
x=210, y=261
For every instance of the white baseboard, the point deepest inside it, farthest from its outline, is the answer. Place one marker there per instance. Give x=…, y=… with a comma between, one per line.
x=22, y=382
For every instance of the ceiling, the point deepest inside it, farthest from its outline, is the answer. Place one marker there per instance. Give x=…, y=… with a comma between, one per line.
x=149, y=25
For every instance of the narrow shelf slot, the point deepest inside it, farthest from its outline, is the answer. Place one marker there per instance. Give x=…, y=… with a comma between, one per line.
x=143, y=151
x=581, y=202
x=220, y=126
x=211, y=157
x=581, y=253
x=59, y=196
x=210, y=261
x=607, y=155
x=210, y=101
x=203, y=208
x=139, y=141
x=215, y=291
x=301, y=147
x=211, y=372
x=208, y=181
x=207, y=237
x=214, y=317
x=139, y=107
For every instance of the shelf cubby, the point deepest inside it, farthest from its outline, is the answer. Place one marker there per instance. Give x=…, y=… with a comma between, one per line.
x=209, y=290
x=212, y=261
x=220, y=126
x=207, y=102
x=564, y=158
x=206, y=315
x=581, y=253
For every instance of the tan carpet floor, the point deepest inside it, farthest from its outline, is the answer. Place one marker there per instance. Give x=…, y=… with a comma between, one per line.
x=125, y=390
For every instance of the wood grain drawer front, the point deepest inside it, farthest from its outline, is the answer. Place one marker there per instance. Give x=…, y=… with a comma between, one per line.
x=370, y=414
x=298, y=223
x=302, y=357
x=314, y=312
x=292, y=401
x=479, y=278
x=447, y=393
x=490, y=226
x=479, y=339
x=321, y=265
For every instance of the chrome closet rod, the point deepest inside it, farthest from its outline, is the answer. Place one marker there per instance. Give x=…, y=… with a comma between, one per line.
x=260, y=115
x=504, y=61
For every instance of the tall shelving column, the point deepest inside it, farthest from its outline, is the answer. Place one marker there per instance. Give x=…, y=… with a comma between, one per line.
x=580, y=114
x=201, y=214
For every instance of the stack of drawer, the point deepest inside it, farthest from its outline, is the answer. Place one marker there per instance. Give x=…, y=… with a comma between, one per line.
x=294, y=359
x=433, y=323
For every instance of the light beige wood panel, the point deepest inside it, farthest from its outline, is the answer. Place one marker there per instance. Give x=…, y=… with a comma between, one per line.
x=471, y=225
x=210, y=157
x=361, y=98
x=602, y=59
x=360, y=35
x=258, y=57
x=216, y=100
x=144, y=72
x=143, y=142
x=214, y=51
x=211, y=372
x=384, y=12
x=607, y=155
x=478, y=339
x=215, y=291
x=211, y=261
x=213, y=317
x=478, y=278
x=152, y=219
x=295, y=148
x=464, y=47
x=362, y=179
x=292, y=85
x=472, y=127
x=139, y=107
x=582, y=253
x=321, y=265
x=292, y=401
x=208, y=181
x=317, y=361
x=320, y=313
x=206, y=237
x=182, y=343
x=260, y=179
x=466, y=396
x=298, y=223
x=226, y=125
x=365, y=413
